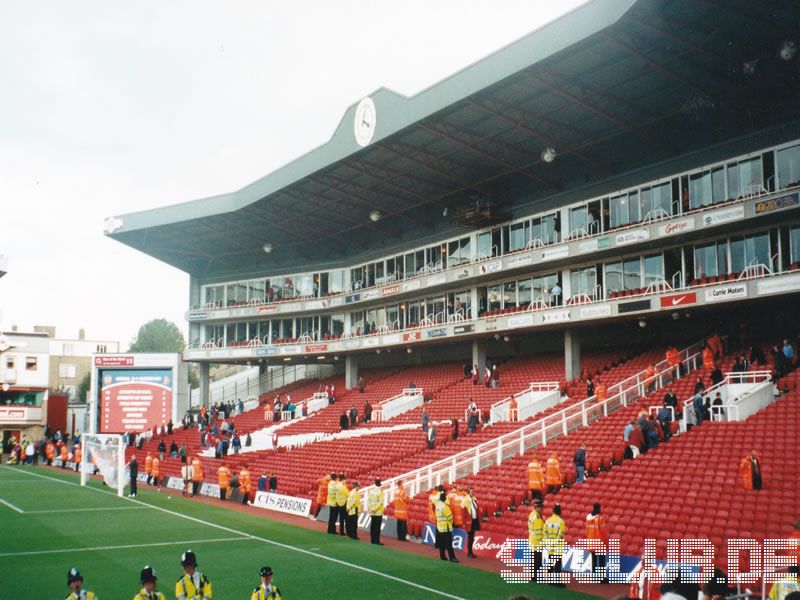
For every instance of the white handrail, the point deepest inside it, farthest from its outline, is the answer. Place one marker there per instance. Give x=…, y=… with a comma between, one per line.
x=530, y=435
x=729, y=378
x=535, y=386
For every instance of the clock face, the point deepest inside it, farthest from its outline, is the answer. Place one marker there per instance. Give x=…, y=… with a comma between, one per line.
x=365, y=121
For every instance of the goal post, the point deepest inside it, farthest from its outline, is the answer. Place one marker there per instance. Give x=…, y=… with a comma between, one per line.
x=104, y=454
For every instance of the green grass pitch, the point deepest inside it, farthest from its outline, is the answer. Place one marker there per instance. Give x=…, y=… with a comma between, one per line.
x=48, y=523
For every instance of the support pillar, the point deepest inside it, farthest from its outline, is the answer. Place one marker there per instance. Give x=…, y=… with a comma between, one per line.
x=479, y=355
x=572, y=354
x=205, y=386
x=474, y=304
x=350, y=371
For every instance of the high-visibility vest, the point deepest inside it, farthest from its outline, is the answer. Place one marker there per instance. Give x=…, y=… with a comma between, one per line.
x=260, y=593
x=432, y=499
x=224, y=477
x=197, y=469
x=535, y=530
x=322, y=490
x=144, y=595
x=554, y=472
x=444, y=517
x=708, y=359
x=535, y=476
x=375, y=502
x=77, y=455
x=244, y=480
x=746, y=469
x=49, y=450
x=332, y=486
x=64, y=453
x=554, y=531
x=341, y=493
x=353, y=502
x=186, y=590
x=84, y=595
x=148, y=464
x=784, y=587
x=596, y=528
x=454, y=499
x=156, y=467
x=401, y=505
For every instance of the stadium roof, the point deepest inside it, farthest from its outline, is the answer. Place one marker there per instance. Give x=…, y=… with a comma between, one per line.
x=612, y=86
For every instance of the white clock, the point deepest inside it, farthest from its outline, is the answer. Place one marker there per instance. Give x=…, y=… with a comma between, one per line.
x=364, y=122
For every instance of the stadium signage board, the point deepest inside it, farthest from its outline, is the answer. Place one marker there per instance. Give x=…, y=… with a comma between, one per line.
x=412, y=337
x=553, y=253
x=599, y=310
x=391, y=339
x=676, y=227
x=725, y=215
x=268, y=308
x=678, y=300
x=370, y=294
x=316, y=348
x=267, y=351
x=371, y=341
x=520, y=321
x=198, y=314
x=285, y=504
x=588, y=246
x=460, y=329
x=635, y=306
x=556, y=316
x=352, y=298
x=726, y=292
x=391, y=290
x=113, y=361
x=437, y=333
x=631, y=237
x=491, y=266
x=464, y=273
x=290, y=349
x=779, y=203
x=520, y=260
x=779, y=284
x=603, y=243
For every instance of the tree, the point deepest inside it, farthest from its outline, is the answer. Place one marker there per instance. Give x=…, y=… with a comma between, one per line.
x=158, y=335
x=194, y=379
x=83, y=388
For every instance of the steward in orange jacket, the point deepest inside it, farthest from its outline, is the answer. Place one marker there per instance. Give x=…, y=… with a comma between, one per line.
x=750, y=468
x=553, y=476
x=535, y=478
x=64, y=456
x=148, y=466
x=245, y=483
x=708, y=359
x=156, y=471
x=76, y=456
x=454, y=497
x=49, y=452
x=401, y=511
x=597, y=529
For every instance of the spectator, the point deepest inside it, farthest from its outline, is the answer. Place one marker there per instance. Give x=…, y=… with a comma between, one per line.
x=169, y=428
x=697, y=406
x=343, y=422
x=353, y=416
x=467, y=370
x=717, y=412
x=454, y=425
x=262, y=483
x=788, y=353
x=589, y=388
x=425, y=419
x=162, y=449
x=750, y=468
x=716, y=376
x=291, y=407
x=273, y=483
x=738, y=365
x=580, y=463
x=236, y=443
x=699, y=386
x=555, y=294
x=367, y=412
x=173, y=450
x=757, y=356
x=362, y=385
x=475, y=374
x=248, y=441
x=652, y=432
x=626, y=433
x=431, y=436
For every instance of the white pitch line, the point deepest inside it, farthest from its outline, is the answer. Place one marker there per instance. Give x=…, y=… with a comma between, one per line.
x=125, y=547
x=266, y=541
x=69, y=510
x=11, y=506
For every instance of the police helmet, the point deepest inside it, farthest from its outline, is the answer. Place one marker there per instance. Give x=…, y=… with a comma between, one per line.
x=74, y=575
x=188, y=559
x=148, y=574
x=266, y=571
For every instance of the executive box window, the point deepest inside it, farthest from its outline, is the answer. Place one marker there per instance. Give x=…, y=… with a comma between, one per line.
x=583, y=281
x=788, y=167
x=624, y=209
x=578, y=220
x=215, y=294
x=707, y=188
x=544, y=229
x=711, y=260
x=31, y=363
x=745, y=177
x=749, y=251
x=656, y=201
x=458, y=252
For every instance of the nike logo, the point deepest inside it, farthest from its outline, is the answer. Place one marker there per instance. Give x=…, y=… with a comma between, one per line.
x=678, y=300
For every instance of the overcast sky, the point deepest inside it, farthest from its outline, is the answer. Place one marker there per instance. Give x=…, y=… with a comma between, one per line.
x=113, y=107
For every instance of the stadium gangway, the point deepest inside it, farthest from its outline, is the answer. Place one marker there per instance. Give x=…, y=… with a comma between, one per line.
x=500, y=410
x=535, y=434
x=408, y=399
x=756, y=378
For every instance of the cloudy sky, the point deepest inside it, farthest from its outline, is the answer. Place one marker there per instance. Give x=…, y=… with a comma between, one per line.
x=114, y=107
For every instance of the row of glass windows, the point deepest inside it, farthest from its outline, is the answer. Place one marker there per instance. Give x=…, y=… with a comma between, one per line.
x=772, y=170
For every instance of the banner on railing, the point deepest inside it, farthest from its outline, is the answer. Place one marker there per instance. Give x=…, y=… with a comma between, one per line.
x=285, y=504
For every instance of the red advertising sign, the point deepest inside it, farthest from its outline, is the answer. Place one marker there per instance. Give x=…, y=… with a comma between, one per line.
x=135, y=399
x=317, y=348
x=414, y=335
x=113, y=361
x=392, y=289
x=267, y=308
x=678, y=300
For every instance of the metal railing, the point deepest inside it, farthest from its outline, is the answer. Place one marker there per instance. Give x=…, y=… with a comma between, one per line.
x=534, y=434
x=395, y=405
x=753, y=377
x=537, y=386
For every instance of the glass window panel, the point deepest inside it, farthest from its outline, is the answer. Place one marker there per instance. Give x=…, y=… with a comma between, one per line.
x=718, y=185
x=510, y=293
x=578, y=218
x=789, y=167
x=794, y=244
x=466, y=249
x=700, y=189
x=614, y=277
x=494, y=297
x=653, y=269
x=516, y=234
x=524, y=292
x=631, y=273
x=485, y=245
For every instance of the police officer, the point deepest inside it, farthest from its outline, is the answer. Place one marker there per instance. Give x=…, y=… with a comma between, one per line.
x=554, y=534
x=353, y=504
x=75, y=583
x=266, y=591
x=444, y=528
x=148, y=591
x=375, y=505
x=333, y=514
x=192, y=585
x=536, y=535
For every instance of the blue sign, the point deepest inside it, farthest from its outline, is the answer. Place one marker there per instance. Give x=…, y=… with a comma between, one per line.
x=352, y=298
x=437, y=333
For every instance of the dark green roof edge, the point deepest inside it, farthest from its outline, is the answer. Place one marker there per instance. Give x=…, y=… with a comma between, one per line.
x=396, y=112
